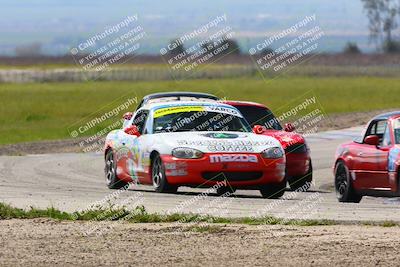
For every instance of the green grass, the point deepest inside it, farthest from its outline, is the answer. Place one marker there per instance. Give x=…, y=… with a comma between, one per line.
x=140, y=215
x=32, y=112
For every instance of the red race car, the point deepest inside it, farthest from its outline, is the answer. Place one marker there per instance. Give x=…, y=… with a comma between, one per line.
x=298, y=160
x=370, y=164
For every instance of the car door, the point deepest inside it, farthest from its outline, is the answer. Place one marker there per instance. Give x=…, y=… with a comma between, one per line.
x=145, y=146
x=134, y=146
x=370, y=161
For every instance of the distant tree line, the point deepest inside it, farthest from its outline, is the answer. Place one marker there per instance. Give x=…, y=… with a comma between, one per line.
x=221, y=47
x=29, y=50
x=383, y=16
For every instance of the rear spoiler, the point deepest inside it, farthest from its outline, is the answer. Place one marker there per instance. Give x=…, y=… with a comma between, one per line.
x=178, y=96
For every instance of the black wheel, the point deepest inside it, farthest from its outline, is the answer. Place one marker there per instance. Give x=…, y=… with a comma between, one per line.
x=158, y=177
x=225, y=189
x=273, y=190
x=343, y=185
x=302, y=183
x=110, y=171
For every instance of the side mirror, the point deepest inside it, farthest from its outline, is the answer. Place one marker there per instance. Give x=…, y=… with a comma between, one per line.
x=372, y=140
x=132, y=130
x=289, y=127
x=127, y=116
x=259, y=129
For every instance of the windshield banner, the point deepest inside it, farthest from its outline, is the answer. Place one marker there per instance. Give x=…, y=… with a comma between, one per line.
x=179, y=109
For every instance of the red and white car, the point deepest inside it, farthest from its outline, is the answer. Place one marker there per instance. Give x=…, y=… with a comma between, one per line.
x=193, y=143
x=298, y=160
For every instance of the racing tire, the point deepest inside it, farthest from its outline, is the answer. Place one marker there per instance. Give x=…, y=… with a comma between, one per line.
x=225, y=189
x=110, y=171
x=344, y=186
x=158, y=177
x=303, y=182
x=273, y=191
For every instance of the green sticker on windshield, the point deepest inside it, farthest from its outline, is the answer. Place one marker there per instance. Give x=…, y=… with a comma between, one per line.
x=221, y=135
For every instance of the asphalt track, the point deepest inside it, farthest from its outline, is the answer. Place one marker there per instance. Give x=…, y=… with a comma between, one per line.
x=75, y=181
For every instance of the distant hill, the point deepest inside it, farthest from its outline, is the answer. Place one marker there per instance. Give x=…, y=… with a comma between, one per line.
x=59, y=25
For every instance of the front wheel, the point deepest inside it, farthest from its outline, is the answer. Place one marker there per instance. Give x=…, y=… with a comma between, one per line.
x=159, y=178
x=273, y=191
x=344, y=186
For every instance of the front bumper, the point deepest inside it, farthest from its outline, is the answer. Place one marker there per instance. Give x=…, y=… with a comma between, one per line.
x=297, y=164
x=212, y=169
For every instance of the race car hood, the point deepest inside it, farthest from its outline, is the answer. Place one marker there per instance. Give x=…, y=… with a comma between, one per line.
x=209, y=142
x=285, y=138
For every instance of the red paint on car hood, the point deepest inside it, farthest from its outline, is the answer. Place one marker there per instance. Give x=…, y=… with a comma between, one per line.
x=285, y=138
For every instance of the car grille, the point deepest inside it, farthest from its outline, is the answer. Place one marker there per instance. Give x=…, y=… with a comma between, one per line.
x=232, y=176
x=296, y=148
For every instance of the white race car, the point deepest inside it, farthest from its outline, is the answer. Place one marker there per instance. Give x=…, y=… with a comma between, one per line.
x=193, y=143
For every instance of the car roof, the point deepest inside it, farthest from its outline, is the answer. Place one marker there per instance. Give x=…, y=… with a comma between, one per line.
x=175, y=96
x=183, y=103
x=386, y=116
x=243, y=103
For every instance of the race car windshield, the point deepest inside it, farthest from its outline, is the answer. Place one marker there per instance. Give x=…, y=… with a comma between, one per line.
x=260, y=116
x=396, y=129
x=200, y=121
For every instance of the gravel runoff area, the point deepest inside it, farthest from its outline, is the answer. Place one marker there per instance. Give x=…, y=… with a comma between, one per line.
x=46, y=242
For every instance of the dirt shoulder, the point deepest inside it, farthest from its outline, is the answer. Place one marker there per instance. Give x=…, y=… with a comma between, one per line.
x=347, y=120
x=46, y=242
x=335, y=121
x=42, y=147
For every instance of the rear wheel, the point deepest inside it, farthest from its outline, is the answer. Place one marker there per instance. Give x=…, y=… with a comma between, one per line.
x=273, y=190
x=344, y=186
x=110, y=171
x=302, y=182
x=158, y=177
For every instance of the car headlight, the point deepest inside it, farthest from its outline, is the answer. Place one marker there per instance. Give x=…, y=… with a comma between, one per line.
x=272, y=153
x=186, y=153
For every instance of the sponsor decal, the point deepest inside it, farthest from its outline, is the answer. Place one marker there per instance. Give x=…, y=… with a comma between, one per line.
x=186, y=108
x=180, y=172
x=175, y=165
x=353, y=175
x=233, y=158
x=222, y=109
x=393, y=155
x=230, y=148
x=221, y=135
x=178, y=109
